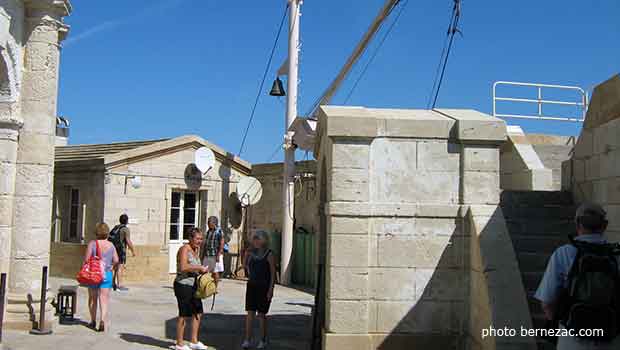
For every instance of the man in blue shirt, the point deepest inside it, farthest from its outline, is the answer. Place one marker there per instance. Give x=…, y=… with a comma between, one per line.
x=591, y=224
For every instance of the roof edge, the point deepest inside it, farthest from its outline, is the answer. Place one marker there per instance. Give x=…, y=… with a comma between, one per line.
x=177, y=142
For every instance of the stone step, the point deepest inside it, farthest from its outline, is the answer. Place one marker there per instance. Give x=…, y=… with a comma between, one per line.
x=531, y=280
x=534, y=306
x=544, y=345
x=535, y=198
x=532, y=262
x=543, y=227
x=540, y=211
x=538, y=244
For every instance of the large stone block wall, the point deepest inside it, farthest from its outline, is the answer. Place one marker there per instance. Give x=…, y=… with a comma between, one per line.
x=593, y=173
x=398, y=184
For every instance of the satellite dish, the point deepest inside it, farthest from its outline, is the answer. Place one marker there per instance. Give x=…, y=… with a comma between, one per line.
x=204, y=158
x=235, y=213
x=136, y=182
x=249, y=191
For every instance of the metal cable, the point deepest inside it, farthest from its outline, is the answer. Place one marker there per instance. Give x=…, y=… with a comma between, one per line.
x=456, y=15
x=260, y=89
x=374, y=55
x=356, y=54
x=441, y=58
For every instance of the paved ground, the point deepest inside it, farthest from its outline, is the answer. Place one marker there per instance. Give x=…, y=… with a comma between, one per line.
x=145, y=316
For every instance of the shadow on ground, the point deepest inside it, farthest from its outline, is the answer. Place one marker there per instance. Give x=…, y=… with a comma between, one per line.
x=225, y=331
x=145, y=340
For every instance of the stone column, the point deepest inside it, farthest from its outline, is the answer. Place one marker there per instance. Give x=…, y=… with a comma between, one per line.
x=9, y=130
x=30, y=246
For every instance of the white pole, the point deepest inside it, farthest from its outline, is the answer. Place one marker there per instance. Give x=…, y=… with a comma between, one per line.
x=288, y=186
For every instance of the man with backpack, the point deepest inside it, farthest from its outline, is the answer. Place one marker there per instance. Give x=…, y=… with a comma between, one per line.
x=119, y=236
x=580, y=290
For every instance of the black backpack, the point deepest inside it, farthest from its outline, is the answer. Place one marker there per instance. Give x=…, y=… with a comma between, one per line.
x=592, y=299
x=115, y=238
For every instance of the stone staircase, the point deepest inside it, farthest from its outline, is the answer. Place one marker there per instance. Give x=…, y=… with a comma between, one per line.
x=538, y=223
x=552, y=156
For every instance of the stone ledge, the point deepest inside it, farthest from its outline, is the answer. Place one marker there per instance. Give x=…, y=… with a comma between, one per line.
x=472, y=125
x=393, y=341
x=361, y=122
x=364, y=209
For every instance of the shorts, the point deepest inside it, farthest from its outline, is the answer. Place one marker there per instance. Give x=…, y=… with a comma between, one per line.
x=188, y=304
x=107, y=281
x=256, y=298
x=214, y=266
x=122, y=255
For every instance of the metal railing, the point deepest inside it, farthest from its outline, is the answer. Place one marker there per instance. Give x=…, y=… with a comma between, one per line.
x=540, y=101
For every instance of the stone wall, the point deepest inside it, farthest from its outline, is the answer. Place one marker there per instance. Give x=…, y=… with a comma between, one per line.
x=267, y=214
x=150, y=265
x=593, y=173
x=397, y=244
x=497, y=297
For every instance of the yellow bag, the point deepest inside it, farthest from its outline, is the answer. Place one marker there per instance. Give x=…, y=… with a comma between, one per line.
x=205, y=286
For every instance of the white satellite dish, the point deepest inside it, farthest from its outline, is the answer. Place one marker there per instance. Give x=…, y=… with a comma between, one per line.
x=136, y=182
x=204, y=158
x=249, y=191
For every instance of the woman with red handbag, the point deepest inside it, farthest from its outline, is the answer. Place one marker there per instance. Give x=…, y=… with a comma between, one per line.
x=100, y=249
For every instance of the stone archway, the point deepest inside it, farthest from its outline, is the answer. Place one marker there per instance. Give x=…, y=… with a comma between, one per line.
x=9, y=79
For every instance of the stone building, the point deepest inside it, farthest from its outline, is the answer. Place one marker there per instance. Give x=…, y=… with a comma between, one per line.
x=31, y=32
x=156, y=184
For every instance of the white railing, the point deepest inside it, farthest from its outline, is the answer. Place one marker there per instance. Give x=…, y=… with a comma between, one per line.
x=540, y=101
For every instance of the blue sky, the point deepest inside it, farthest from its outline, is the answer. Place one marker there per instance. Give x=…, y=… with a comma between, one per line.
x=144, y=69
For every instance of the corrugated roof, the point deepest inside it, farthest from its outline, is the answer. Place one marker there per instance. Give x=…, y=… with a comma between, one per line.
x=97, y=151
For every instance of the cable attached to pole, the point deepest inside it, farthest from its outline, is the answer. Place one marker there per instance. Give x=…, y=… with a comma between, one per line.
x=260, y=89
x=374, y=55
x=452, y=30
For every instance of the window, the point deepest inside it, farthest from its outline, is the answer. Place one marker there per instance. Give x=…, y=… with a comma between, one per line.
x=5, y=83
x=183, y=213
x=74, y=210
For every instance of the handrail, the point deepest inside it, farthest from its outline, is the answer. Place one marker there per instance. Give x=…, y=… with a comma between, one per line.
x=540, y=101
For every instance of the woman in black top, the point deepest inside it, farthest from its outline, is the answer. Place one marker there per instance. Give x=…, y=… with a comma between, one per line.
x=260, y=266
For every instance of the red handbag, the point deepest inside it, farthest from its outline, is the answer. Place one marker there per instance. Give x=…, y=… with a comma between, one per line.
x=92, y=271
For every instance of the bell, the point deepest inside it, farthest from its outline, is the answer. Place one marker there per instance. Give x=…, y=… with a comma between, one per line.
x=277, y=89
